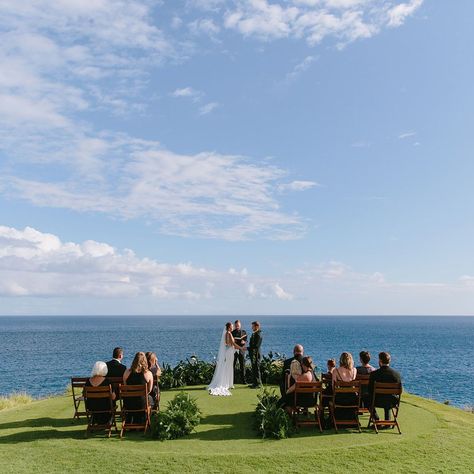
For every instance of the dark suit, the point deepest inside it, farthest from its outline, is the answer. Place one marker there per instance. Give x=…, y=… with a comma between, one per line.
x=239, y=335
x=255, y=356
x=385, y=375
x=115, y=368
x=286, y=370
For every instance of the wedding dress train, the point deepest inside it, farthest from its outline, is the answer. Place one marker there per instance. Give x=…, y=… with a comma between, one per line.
x=223, y=378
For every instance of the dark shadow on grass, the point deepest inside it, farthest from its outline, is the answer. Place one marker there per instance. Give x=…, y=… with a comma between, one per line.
x=43, y=422
x=51, y=434
x=229, y=427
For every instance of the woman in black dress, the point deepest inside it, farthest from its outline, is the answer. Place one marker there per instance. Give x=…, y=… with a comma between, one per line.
x=155, y=370
x=138, y=374
x=98, y=379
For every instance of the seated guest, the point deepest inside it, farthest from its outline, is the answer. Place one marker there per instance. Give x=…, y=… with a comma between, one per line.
x=98, y=379
x=307, y=375
x=291, y=366
x=155, y=370
x=138, y=374
x=346, y=372
x=384, y=374
x=327, y=377
x=115, y=366
x=365, y=368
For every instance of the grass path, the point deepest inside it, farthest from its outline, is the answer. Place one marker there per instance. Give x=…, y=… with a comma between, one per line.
x=41, y=437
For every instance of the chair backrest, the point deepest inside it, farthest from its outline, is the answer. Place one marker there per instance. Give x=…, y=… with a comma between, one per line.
x=78, y=383
x=347, y=387
x=327, y=377
x=98, y=392
x=382, y=388
x=363, y=379
x=308, y=387
x=134, y=391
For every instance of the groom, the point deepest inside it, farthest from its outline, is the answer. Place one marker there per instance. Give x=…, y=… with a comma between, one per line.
x=255, y=354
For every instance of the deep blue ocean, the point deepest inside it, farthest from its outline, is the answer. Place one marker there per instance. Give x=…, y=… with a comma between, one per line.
x=435, y=355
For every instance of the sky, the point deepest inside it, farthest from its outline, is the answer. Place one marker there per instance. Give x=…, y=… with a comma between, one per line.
x=236, y=157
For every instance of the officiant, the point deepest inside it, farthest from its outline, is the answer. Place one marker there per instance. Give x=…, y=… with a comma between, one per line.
x=240, y=337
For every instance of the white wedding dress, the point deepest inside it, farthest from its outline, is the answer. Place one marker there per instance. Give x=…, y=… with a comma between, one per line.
x=223, y=378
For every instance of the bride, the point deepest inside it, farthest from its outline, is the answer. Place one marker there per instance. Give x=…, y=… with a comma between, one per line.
x=223, y=378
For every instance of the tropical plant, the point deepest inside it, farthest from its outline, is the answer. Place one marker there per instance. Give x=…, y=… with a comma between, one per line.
x=180, y=418
x=191, y=371
x=271, y=420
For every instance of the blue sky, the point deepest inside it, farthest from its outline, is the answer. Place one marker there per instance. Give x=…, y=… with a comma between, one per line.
x=236, y=157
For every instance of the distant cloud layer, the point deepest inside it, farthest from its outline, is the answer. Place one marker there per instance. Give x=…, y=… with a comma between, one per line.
x=39, y=265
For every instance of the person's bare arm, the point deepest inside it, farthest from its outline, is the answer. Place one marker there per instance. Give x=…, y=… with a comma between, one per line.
x=230, y=341
x=125, y=375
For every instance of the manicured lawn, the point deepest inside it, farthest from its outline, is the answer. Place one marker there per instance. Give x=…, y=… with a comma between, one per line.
x=41, y=437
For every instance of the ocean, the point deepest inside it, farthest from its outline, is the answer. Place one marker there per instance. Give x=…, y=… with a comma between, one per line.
x=435, y=355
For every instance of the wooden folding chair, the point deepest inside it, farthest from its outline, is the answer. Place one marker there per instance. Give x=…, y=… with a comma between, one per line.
x=326, y=395
x=382, y=390
x=364, y=392
x=346, y=389
x=156, y=407
x=315, y=389
x=127, y=394
x=77, y=386
x=92, y=394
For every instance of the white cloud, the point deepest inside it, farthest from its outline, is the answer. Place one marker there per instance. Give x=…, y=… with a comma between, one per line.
x=280, y=293
x=408, y=134
x=297, y=186
x=299, y=69
x=398, y=13
x=187, y=92
x=344, y=20
x=33, y=263
x=205, y=26
x=208, y=108
x=213, y=195
x=42, y=268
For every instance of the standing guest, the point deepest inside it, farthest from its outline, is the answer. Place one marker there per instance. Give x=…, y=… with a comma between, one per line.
x=292, y=367
x=138, y=374
x=255, y=354
x=331, y=365
x=155, y=370
x=240, y=338
x=115, y=367
x=365, y=368
x=384, y=374
x=98, y=378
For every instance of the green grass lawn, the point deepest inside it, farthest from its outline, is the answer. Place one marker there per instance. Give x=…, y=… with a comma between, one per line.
x=42, y=437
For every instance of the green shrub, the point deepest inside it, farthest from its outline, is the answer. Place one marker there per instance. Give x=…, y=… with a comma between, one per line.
x=180, y=418
x=191, y=371
x=271, y=420
x=15, y=400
